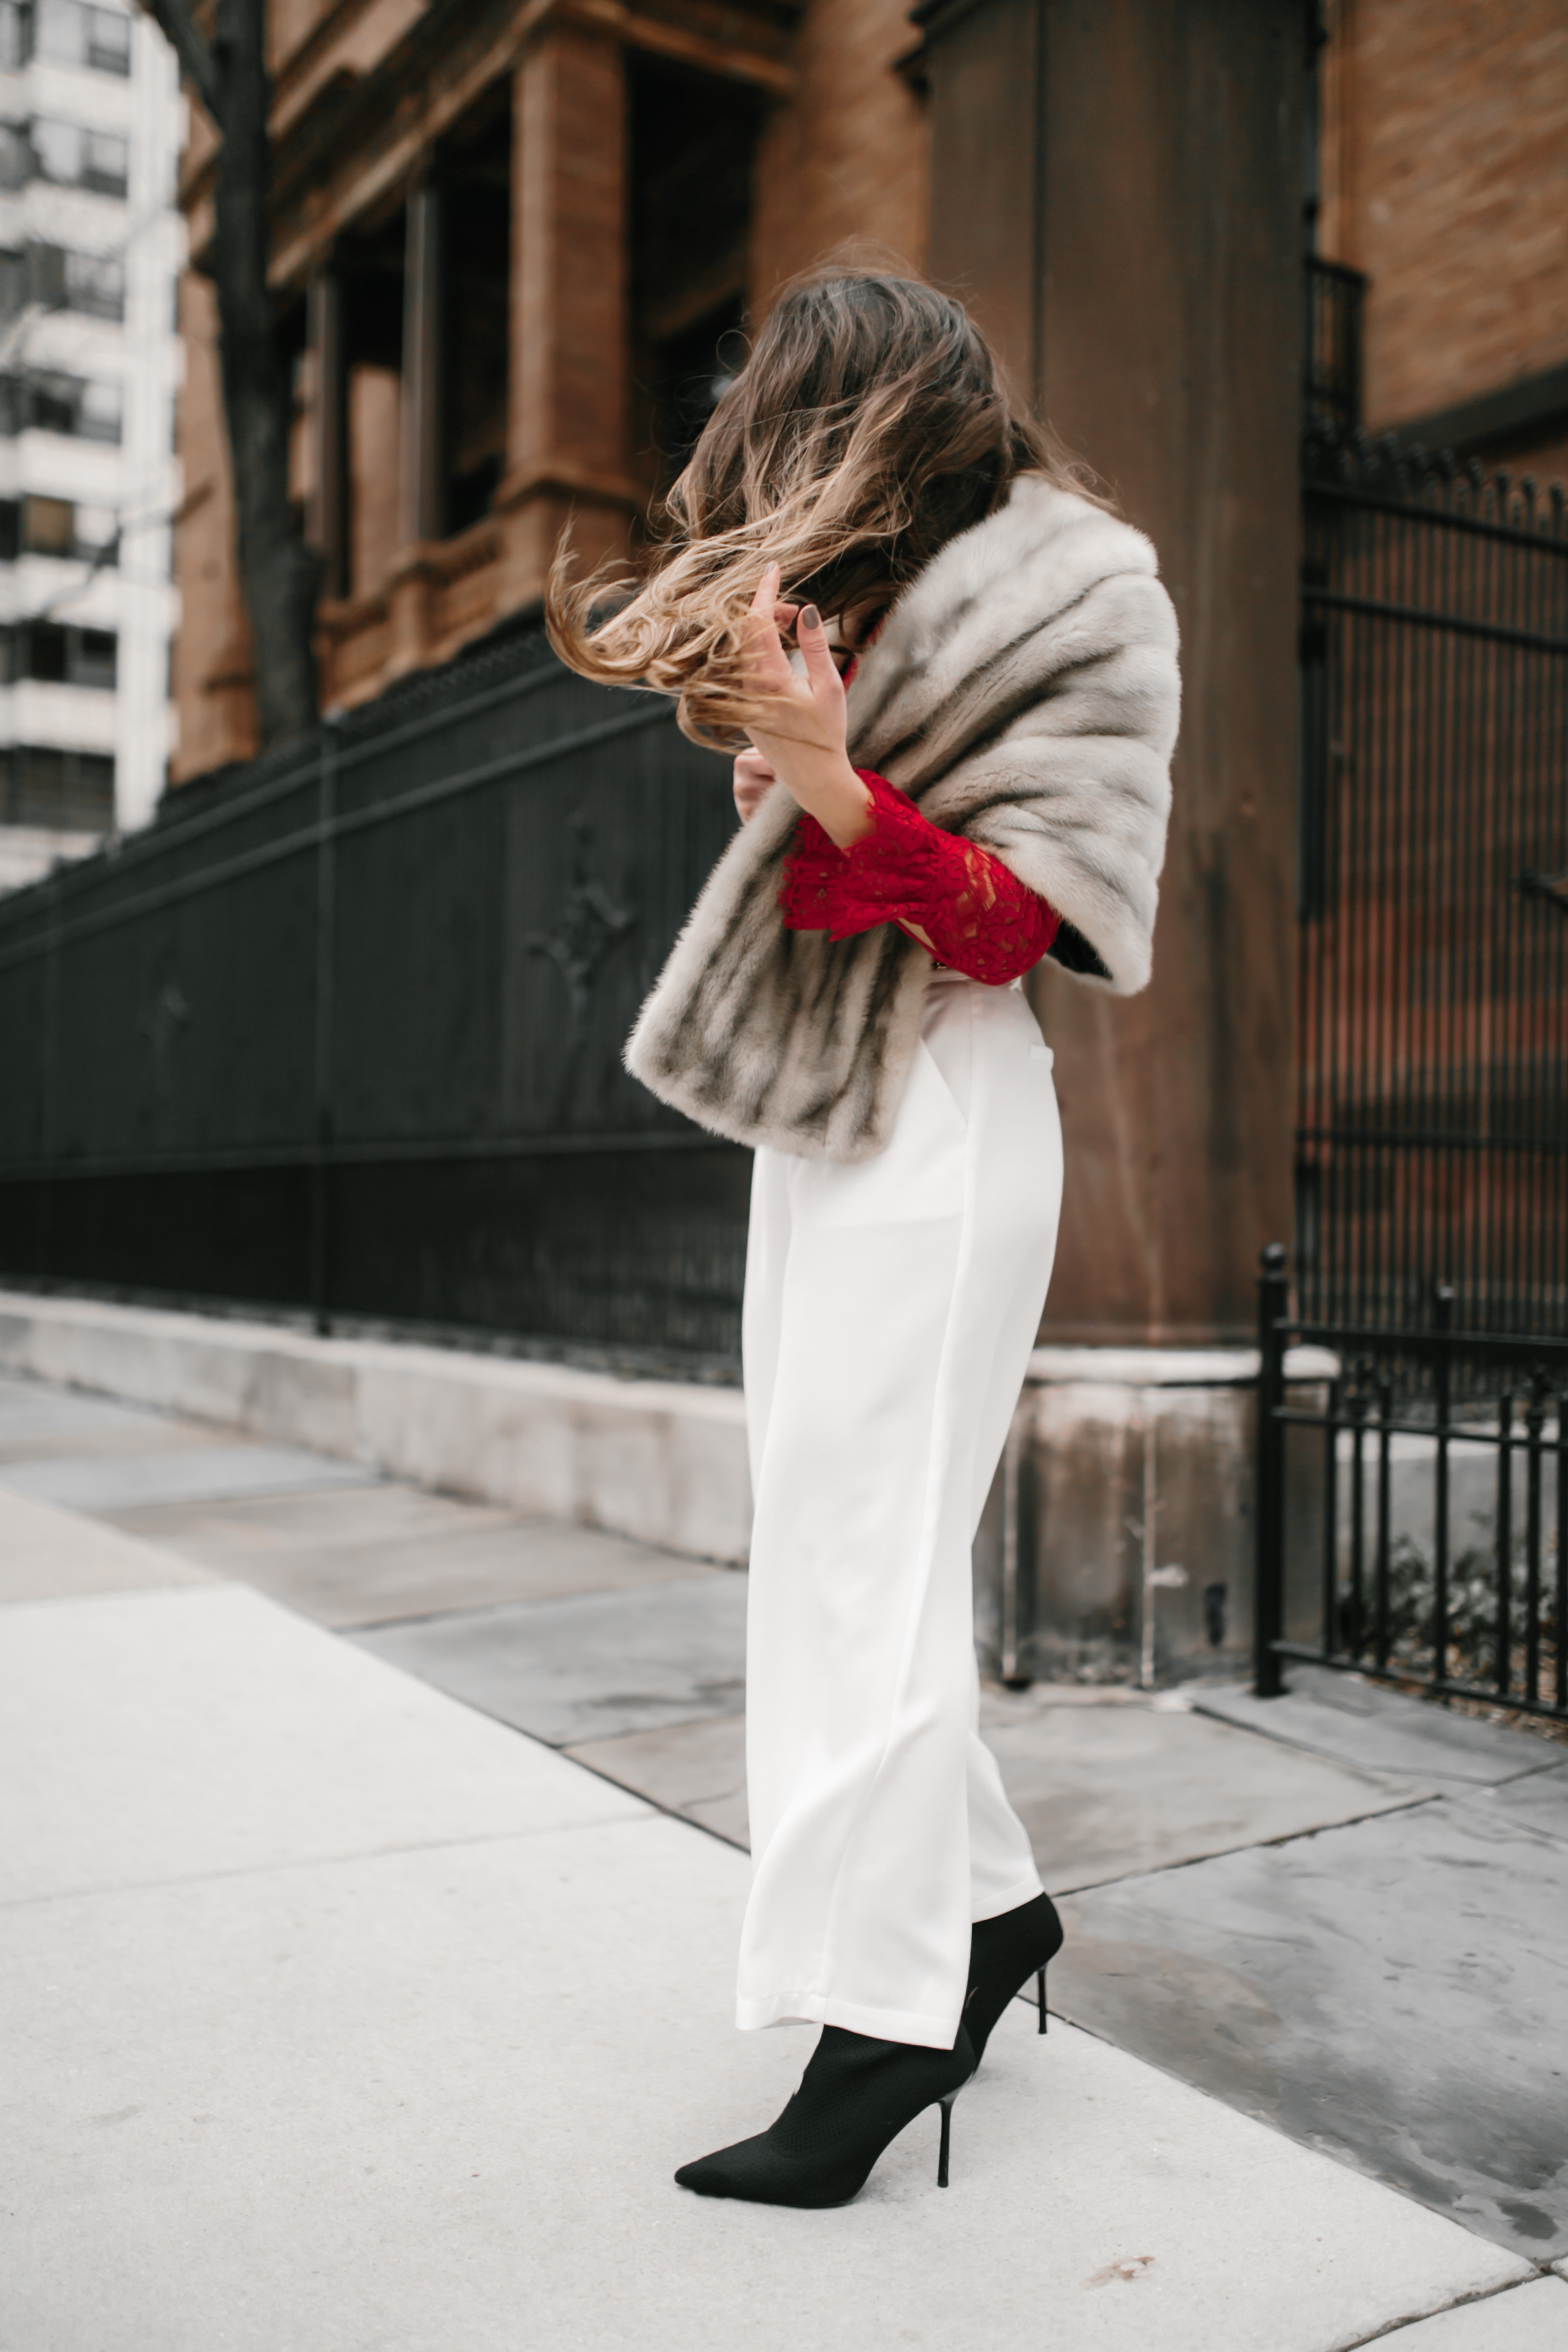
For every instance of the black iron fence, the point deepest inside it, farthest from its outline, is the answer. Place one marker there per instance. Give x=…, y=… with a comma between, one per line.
x=1439, y=1554
x=340, y=1033
x=1432, y=1128
x=1332, y=344
x=1431, y=1254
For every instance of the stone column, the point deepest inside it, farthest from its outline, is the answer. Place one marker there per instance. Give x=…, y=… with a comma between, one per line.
x=1116, y=192
x=423, y=485
x=329, y=509
x=414, y=587
x=567, y=434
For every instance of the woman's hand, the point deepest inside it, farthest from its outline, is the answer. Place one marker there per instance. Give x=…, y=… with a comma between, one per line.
x=754, y=780
x=805, y=750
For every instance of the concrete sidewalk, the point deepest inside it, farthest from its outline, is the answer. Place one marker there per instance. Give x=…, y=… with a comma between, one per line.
x=347, y=2017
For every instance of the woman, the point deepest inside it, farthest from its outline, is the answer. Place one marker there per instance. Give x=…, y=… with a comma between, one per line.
x=986, y=782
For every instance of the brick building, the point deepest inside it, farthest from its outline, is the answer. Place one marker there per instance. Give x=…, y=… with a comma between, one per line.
x=510, y=241
x=502, y=313
x=1443, y=182
x=513, y=240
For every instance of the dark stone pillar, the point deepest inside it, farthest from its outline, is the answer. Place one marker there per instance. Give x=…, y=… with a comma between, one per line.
x=423, y=483
x=328, y=514
x=1117, y=191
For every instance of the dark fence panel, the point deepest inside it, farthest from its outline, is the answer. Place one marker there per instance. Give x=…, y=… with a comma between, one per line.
x=1432, y=1140
x=342, y=1030
x=1431, y=1260
x=1331, y=343
x=1439, y=1556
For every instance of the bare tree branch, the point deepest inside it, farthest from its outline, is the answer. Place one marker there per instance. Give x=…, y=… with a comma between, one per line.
x=278, y=573
x=180, y=29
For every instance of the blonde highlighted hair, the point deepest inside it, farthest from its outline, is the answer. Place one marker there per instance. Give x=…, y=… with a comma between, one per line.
x=870, y=425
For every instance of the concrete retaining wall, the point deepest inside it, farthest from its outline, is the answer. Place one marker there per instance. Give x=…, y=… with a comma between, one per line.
x=1107, y=1440
x=661, y=1461
x=1135, y=1523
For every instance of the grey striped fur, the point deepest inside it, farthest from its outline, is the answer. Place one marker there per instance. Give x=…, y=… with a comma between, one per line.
x=1024, y=692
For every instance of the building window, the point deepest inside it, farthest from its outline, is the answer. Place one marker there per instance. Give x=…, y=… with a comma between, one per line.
x=73, y=157
x=57, y=526
x=73, y=33
x=16, y=35
x=49, y=526
x=92, y=659
x=53, y=403
x=693, y=153
x=72, y=791
x=59, y=654
x=92, y=283
x=15, y=156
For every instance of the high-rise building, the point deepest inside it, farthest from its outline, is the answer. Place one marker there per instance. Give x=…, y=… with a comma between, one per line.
x=90, y=245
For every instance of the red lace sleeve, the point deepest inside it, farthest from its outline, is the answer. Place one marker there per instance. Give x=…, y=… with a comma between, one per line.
x=973, y=912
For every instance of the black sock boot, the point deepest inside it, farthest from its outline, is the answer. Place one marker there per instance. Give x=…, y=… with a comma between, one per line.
x=1003, y=1956
x=855, y=2096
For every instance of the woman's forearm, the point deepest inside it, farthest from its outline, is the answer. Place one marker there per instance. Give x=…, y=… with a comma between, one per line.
x=826, y=787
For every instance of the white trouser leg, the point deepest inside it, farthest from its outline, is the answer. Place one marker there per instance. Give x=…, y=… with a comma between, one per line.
x=890, y=1310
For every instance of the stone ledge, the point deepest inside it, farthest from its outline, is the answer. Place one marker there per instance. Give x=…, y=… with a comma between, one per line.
x=1170, y=1368
x=661, y=1461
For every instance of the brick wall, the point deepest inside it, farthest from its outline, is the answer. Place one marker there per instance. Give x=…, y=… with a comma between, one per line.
x=843, y=161
x=1445, y=164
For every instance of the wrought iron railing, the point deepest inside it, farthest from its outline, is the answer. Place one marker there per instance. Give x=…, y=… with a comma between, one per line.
x=1438, y=1556
x=1431, y=1545
x=1432, y=1124
x=340, y=1034
x=1332, y=344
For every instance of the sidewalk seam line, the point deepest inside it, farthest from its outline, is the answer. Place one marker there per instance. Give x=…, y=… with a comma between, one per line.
x=1259, y=1846
x=15, y=1903
x=1329, y=1756
x=1460, y=2303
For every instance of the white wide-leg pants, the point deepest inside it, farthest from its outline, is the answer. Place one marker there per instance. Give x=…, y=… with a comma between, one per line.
x=890, y=1311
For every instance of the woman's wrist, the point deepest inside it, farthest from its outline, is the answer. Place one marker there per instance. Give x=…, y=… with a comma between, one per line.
x=827, y=788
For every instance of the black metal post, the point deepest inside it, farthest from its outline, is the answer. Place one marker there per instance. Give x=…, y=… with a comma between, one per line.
x=1354, y=1630
x=1269, y=1594
x=1327, y=1607
x=1560, y=1647
x=1534, y=1428
x=49, y=1104
x=326, y=926
x=1442, y=1385
x=1385, y=1516
x=1503, y=1664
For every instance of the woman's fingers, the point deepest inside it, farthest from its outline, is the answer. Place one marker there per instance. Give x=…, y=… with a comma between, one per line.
x=820, y=668
x=768, y=662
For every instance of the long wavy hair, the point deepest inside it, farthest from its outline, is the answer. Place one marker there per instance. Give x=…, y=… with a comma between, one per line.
x=870, y=424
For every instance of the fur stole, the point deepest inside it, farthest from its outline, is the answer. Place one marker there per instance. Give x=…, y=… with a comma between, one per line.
x=1023, y=691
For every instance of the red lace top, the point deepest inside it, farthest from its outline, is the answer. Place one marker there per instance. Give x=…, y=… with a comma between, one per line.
x=973, y=912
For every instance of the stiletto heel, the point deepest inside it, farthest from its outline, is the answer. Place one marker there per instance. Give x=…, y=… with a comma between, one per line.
x=1004, y=1953
x=856, y=2095
x=946, y=2106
